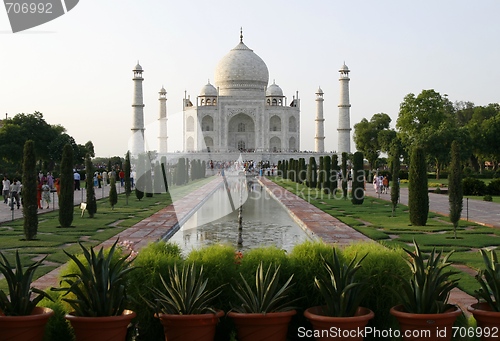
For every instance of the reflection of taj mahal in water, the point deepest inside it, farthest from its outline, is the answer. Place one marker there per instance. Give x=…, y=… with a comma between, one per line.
x=241, y=113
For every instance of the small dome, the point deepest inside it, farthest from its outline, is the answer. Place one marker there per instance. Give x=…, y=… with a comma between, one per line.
x=319, y=92
x=208, y=90
x=162, y=90
x=344, y=68
x=138, y=67
x=274, y=90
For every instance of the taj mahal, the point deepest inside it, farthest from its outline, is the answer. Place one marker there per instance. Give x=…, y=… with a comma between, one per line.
x=241, y=113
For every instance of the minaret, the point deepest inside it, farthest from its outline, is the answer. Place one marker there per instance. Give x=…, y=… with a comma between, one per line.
x=162, y=120
x=344, y=129
x=137, y=141
x=320, y=123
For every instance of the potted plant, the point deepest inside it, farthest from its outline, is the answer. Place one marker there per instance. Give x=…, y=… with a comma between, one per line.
x=487, y=313
x=425, y=309
x=183, y=305
x=342, y=292
x=264, y=311
x=20, y=318
x=98, y=295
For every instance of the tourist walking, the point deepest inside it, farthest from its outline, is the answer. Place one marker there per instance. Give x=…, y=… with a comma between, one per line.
x=46, y=194
x=15, y=189
x=5, y=189
x=76, y=177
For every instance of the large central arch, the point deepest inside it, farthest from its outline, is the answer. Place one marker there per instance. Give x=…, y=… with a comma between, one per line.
x=241, y=133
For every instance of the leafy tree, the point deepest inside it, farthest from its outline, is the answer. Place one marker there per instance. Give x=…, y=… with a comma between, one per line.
x=358, y=179
x=427, y=120
x=66, y=193
x=30, y=205
x=418, y=196
x=366, y=136
x=113, y=195
x=455, y=189
x=128, y=188
x=345, y=175
x=57, y=146
x=89, y=181
x=395, y=167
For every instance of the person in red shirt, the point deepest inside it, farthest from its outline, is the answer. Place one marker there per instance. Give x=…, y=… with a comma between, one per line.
x=122, y=177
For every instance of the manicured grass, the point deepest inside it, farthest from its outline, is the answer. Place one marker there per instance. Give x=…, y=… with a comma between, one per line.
x=374, y=219
x=52, y=239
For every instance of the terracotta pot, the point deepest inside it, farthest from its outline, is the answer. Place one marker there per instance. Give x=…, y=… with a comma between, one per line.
x=262, y=327
x=199, y=327
x=338, y=328
x=108, y=328
x=25, y=328
x=487, y=319
x=428, y=327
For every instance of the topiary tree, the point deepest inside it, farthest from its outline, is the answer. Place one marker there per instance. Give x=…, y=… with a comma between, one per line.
x=334, y=174
x=66, y=192
x=321, y=173
x=358, y=179
x=345, y=176
x=113, y=195
x=30, y=205
x=418, y=196
x=311, y=173
x=89, y=182
x=455, y=189
x=302, y=170
x=128, y=187
x=327, y=161
x=180, y=172
x=395, y=167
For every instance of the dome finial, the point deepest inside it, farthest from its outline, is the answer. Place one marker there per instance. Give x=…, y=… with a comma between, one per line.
x=241, y=34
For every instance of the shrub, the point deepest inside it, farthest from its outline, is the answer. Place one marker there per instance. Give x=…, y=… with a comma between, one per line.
x=494, y=187
x=66, y=196
x=487, y=197
x=30, y=205
x=473, y=186
x=113, y=196
x=91, y=200
x=357, y=191
x=418, y=197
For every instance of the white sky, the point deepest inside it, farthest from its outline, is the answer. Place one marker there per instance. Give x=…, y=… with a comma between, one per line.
x=77, y=69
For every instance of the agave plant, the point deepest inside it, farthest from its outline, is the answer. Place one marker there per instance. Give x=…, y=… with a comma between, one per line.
x=489, y=279
x=266, y=296
x=341, y=290
x=185, y=293
x=100, y=285
x=429, y=287
x=19, y=302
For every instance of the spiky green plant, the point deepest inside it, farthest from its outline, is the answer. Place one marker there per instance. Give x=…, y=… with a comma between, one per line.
x=341, y=289
x=266, y=296
x=19, y=302
x=489, y=279
x=185, y=293
x=429, y=287
x=100, y=286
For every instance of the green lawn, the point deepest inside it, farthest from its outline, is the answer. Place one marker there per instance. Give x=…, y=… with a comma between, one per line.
x=374, y=219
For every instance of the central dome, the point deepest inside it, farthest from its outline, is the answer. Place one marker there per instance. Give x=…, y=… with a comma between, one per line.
x=239, y=70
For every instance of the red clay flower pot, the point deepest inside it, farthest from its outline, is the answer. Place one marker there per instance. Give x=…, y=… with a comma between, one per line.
x=487, y=319
x=262, y=327
x=428, y=327
x=25, y=328
x=108, y=328
x=338, y=328
x=199, y=327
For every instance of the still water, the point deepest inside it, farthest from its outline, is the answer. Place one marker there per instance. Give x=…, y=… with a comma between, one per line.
x=265, y=221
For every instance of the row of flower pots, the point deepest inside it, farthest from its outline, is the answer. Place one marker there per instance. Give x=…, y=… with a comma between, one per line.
x=97, y=293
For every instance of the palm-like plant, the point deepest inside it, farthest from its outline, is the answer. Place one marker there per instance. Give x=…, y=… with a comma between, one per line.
x=185, y=293
x=100, y=285
x=429, y=287
x=341, y=290
x=489, y=279
x=266, y=296
x=19, y=302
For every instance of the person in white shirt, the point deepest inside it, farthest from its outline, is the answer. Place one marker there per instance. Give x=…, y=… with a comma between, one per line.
x=15, y=188
x=5, y=189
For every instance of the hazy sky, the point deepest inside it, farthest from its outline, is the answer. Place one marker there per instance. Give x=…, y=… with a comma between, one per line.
x=77, y=69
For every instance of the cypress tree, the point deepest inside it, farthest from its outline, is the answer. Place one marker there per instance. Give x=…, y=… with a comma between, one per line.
x=180, y=172
x=149, y=178
x=66, y=192
x=418, y=196
x=128, y=187
x=203, y=169
x=113, y=195
x=158, y=179
x=140, y=182
x=334, y=174
x=395, y=165
x=345, y=176
x=302, y=170
x=309, y=174
x=327, y=160
x=30, y=205
x=321, y=173
x=89, y=181
x=358, y=179
x=455, y=186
